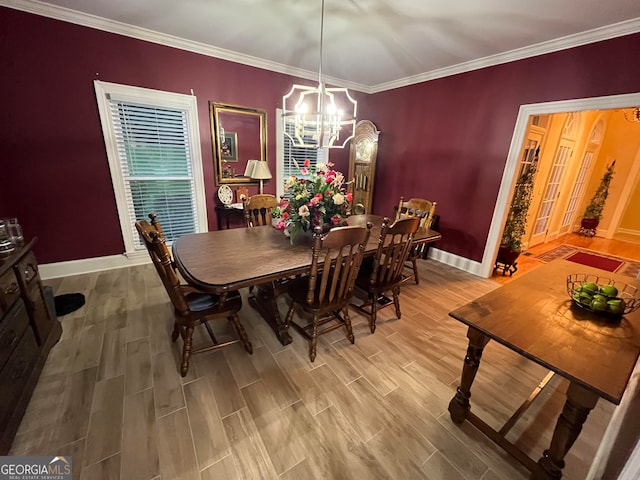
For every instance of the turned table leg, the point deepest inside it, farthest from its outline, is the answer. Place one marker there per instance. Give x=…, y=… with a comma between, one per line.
x=459, y=405
x=579, y=403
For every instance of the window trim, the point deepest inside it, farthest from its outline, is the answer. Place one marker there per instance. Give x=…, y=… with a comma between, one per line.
x=106, y=91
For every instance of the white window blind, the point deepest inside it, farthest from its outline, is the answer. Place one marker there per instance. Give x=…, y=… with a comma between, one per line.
x=288, y=155
x=154, y=162
x=154, y=151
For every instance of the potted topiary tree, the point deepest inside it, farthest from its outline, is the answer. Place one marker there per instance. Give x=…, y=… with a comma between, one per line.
x=514, y=229
x=593, y=212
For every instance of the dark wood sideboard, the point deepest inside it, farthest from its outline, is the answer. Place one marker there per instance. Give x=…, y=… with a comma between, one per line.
x=28, y=330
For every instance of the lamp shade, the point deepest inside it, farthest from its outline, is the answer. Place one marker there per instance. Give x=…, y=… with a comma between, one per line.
x=260, y=170
x=251, y=165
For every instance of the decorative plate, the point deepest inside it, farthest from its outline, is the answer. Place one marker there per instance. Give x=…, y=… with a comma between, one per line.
x=225, y=194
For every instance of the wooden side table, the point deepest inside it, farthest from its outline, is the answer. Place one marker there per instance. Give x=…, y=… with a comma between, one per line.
x=226, y=213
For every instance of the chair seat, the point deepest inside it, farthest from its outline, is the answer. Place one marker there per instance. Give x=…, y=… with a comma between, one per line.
x=363, y=280
x=298, y=290
x=200, y=302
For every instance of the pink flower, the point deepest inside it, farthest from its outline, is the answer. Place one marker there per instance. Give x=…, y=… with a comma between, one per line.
x=304, y=170
x=349, y=196
x=335, y=220
x=314, y=201
x=281, y=225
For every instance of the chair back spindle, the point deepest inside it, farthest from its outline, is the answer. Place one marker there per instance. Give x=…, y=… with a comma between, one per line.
x=257, y=209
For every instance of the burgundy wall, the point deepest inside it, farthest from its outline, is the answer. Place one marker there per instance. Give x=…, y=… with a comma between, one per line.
x=446, y=139
x=54, y=172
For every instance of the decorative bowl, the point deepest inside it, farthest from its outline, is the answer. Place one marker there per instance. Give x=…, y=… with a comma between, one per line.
x=602, y=295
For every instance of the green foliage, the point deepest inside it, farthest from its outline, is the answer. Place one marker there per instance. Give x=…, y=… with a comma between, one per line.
x=596, y=205
x=516, y=223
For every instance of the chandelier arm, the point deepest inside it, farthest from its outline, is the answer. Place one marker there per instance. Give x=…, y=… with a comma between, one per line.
x=321, y=42
x=319, y=126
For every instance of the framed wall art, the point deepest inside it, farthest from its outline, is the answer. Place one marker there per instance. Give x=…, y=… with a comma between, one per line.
x=229, y=147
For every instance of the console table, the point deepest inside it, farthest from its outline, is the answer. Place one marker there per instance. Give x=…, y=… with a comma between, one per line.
x=226, y=213
x=28, y=330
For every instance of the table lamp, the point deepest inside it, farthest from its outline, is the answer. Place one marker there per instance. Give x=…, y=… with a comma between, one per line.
x=258, y=170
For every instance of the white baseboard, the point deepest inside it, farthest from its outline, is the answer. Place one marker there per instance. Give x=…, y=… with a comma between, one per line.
x=90, y=265
x=98, y=264
x=628, y=231
x=456, y=261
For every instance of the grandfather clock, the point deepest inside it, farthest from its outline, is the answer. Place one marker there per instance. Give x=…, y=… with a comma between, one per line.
x=362, y=165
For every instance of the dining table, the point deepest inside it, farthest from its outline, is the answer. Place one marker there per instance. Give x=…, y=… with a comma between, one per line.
x=535, y=316
x=262, y=257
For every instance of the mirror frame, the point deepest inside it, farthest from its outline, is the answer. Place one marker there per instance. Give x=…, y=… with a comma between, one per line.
x=215, y=109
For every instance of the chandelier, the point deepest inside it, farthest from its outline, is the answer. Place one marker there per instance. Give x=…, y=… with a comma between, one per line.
x=319, y=117
x=633, y=115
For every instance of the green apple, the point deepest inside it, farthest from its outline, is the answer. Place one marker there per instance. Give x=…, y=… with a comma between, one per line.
x=616, y=306
x=589, y=287
x=598, y=305
x=609, y=290
x=585, y=299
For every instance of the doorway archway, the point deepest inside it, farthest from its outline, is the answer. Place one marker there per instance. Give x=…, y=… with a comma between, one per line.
x=513, y=157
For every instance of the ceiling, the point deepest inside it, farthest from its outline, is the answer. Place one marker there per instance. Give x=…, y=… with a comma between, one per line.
x=369, y=45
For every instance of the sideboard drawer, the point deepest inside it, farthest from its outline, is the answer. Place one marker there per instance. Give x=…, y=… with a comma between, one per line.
x=16, y=372
x=9, y=290
x=27, y=270
x=37, y=306
x=12, y=327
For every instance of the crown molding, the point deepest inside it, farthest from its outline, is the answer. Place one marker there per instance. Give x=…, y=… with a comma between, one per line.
x=615, y=30
x=112, y=26
x=73, y=16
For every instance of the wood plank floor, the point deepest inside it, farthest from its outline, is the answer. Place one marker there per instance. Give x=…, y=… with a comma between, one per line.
x=111, y=396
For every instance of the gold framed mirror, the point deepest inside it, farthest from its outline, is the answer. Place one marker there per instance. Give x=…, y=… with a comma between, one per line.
x=239, y=134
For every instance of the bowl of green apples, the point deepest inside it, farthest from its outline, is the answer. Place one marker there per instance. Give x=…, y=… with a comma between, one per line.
x=602, y=295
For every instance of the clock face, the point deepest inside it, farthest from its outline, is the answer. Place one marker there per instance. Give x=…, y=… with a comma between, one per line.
x=364, y=148
x=225, y=194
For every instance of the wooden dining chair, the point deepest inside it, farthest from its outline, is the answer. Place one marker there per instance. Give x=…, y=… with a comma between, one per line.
x=383, y=272
x=425, y=210
x=257, y=209
x=325, y=294
x=192, y=307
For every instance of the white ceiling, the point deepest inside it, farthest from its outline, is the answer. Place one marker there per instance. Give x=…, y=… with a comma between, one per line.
x=369, y=45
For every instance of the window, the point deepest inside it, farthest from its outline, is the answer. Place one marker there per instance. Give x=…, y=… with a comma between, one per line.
x=154, y=157
x=288, y=155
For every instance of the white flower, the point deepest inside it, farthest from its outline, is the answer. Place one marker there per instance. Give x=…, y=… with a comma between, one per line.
x=303, y=211
x=290, y=182
x=338, y=199
x=320, y=166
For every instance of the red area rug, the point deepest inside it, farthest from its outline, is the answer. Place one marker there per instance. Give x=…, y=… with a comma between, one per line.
x=596, y=261
x=607, y=262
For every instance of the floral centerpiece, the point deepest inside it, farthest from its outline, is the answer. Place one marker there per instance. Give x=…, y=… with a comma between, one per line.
x=313, y=199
